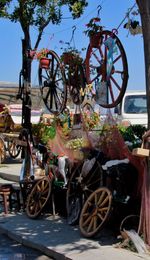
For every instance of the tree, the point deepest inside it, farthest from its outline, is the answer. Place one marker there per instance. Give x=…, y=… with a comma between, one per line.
x=144, y=9
x=38, y=13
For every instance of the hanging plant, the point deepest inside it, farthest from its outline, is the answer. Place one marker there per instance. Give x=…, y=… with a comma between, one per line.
x=133, y=25
x=93, y=27
x=42, y=53
x=71, y=56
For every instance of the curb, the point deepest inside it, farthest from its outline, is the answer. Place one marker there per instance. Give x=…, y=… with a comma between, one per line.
x=47, y=251
x=9, y=177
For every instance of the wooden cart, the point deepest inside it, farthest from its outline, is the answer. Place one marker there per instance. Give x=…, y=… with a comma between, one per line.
x=10, y=125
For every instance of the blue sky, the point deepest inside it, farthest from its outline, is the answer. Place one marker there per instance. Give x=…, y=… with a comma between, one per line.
x=111, y=14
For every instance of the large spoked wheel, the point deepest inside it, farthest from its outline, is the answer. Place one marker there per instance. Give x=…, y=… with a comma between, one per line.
x=76, y=81
x=2, y=150
x=53, y=84
x=38, y=197
x=79, y=189
x=95, y=212
x=107, y=70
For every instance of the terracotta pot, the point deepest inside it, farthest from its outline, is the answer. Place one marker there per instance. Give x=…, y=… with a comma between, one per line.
x=44, y=63
x=95, y=40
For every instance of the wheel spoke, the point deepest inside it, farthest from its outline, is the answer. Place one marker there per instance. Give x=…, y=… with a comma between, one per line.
x=95, y=222
x=101, y=197
x=103, y=209
x=115, y=83
x=90, y=225
x=118, y=58
x=104, y=201
x=87, y=220
x=100, y=216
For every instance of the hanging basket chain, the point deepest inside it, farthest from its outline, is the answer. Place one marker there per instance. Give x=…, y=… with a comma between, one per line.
x=72, y=37
x=126, y=16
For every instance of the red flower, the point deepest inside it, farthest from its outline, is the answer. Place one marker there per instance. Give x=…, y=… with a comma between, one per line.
x=96, y=19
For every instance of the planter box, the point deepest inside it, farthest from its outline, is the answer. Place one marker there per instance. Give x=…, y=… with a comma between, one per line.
x=141, y=152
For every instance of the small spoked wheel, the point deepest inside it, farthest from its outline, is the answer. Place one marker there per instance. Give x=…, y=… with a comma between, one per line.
x=2, y=150
x=13, y=149
x=38, y=197
x=107, y=70
x=80, y=187
x=95, y=212
x=52, y=84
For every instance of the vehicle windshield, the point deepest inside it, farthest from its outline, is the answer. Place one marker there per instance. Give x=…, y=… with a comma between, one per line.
x=135, y=104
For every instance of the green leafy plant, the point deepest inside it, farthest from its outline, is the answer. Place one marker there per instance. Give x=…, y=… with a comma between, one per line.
x=132, y=135
x=93, y=27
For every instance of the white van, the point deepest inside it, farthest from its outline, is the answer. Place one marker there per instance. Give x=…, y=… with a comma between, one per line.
x=133, y=108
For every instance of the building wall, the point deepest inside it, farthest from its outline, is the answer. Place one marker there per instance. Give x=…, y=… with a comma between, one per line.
x=8, y=92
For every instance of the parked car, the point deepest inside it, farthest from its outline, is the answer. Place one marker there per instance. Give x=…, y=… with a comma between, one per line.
x=133, y=109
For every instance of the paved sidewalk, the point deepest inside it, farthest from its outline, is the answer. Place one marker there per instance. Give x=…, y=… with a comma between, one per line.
x=54, y=237
x=10, y=172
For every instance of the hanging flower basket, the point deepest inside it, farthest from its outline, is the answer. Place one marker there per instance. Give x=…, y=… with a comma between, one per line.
x=67, y=58
x=44, y=63
x=95, y=40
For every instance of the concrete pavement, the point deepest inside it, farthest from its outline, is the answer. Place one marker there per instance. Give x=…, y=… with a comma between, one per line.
x=54, y=237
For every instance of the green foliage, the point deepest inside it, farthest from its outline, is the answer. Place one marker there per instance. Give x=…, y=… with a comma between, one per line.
x=93, y=27
x=132, y=132
x=77, y=7
x=44, y=132
x=39, y=13
x=132, y=135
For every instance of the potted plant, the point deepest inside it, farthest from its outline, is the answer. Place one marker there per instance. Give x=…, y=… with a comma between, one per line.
x=71, y=56
x=93, y=31
x=42, y=56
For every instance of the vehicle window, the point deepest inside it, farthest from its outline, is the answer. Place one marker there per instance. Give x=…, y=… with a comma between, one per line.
x=135, y=104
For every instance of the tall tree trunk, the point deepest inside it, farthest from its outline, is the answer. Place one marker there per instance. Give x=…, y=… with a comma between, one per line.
x=144, y=227
x=26, y=98
x=144, y=8
x=26, y=83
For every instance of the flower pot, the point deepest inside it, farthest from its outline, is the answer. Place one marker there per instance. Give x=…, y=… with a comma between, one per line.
x=95, y=40
x=44, y=63
x=67, y=58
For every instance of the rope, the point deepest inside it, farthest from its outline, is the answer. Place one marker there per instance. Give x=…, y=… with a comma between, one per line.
x=126, y=16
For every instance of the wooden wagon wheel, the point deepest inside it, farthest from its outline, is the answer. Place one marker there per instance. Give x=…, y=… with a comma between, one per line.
x=95, y=212
x=38, y=197
x=53, y=84
x=79, y=189
x=2, y=150
x=13, y=148
x=107, y=72
x=77, y=83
